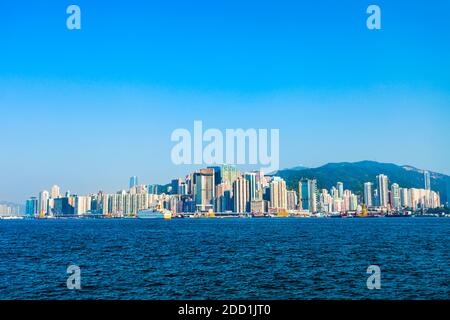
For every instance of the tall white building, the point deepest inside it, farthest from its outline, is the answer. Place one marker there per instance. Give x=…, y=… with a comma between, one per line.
x=368, y=194
x=82, y=204
x=55, y=192
x=395, y=192
x=383, y=192
x=292, y=200
x=278, y=194
x=252, y=186
x=43, y=202
x=240, y=192
x=427, y=180
x=340, y=189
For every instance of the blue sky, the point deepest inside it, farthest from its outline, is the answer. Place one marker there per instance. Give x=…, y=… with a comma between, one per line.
x=86, y=109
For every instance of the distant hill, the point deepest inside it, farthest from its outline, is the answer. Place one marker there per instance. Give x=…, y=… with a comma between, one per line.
x=354, y=174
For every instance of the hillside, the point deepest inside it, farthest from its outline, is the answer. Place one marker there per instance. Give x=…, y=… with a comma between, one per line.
x=354, y=174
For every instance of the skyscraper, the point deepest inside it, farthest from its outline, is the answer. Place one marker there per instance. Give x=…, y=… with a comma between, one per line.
x=292, y=200
x=340, y=188
x=175, y=184
x=368, y=194
x=43, y=202
x=229, y=173
x=278, y=194
x=217, y=174
x=133, y=181
x=55, y=192
x=395, y=192
x=252, y=186
x=204, y=189
x=383, y=192
x=308, y=194
x=32, y=206
x=427, y=180
x=240, y=192
x=223, y=198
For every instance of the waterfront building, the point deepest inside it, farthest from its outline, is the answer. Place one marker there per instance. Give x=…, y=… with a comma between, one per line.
x=353, y=205
x=252, y=187
x=82, y=205
x=278, y=194
x=382, y=187
x=223, y=198
x=63, y=206
x=32, y=207
x=204, y=189
x=43, y=202
x=292, y=200
x=404, y=197
x=240, y=192
x=308, y=195
x=368, y=194
x=395, y=195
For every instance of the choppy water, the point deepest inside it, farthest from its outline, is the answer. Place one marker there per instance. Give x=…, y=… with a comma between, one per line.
x=226, y=258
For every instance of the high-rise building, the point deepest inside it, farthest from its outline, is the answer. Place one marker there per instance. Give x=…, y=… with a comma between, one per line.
x=175, y=184
x=308, y=195
x=229, y=173
x=278, y=194
x=383, y=192
x=223, y=198
x=217, y=174
x=240, y=192
x=82, y=205
x=395, y=193
x=404, y=197
x=133, y=181
x=427, y=180
x=340, y=188
x=252, y=186
x=368, y=194
x=204, y=189
x=153, y=189
x=292, y=200
x=55, y=192
x=63, y=206
x=182, y=188
x=353, y=202
x=32, y=207
x=43, y=202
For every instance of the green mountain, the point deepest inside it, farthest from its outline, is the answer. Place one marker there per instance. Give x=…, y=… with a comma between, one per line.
x=354, y=174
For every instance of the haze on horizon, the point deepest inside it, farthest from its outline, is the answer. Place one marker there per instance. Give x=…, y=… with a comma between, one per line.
x=87, y=109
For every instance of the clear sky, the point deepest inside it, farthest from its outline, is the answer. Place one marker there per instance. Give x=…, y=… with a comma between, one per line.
x=86, y=109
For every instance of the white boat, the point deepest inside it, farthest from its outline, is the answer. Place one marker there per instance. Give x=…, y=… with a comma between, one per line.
x=11, y=217
x=154, y=214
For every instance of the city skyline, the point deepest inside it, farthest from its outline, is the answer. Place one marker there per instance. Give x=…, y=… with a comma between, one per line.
x=134, y=180
x=224, y=188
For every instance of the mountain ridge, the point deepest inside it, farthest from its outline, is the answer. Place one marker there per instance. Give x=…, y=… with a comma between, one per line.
x=355, y=174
